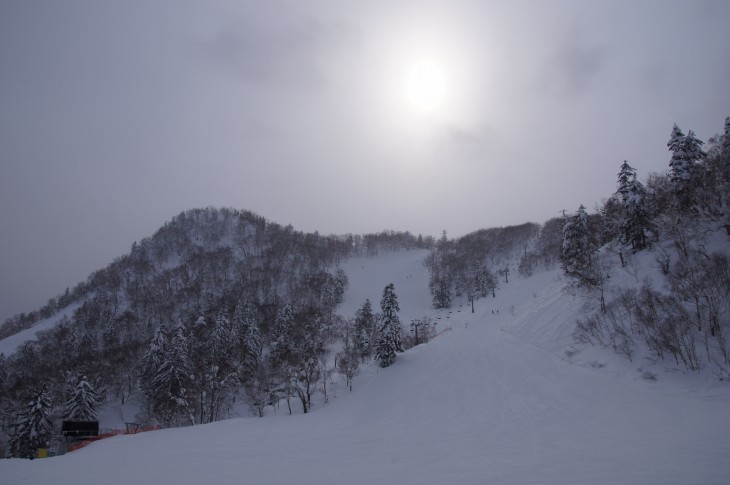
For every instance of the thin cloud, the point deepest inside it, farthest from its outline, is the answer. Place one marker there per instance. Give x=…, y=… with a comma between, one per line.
x=286, y=55
x=576, y=65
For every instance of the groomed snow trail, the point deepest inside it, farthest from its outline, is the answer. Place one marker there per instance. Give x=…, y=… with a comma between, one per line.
x=492, y=401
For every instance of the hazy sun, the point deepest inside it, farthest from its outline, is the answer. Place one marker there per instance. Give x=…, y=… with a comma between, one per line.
x=425, y=85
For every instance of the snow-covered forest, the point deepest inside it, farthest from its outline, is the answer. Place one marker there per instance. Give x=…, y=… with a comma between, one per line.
x=223, y=314
x=216, y=301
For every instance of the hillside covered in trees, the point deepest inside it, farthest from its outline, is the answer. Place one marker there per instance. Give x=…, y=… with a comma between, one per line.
x=670, y=236
x=221, y=304
x=217, y=302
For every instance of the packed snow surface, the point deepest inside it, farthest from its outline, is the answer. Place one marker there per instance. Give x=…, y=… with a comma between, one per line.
x=10, y=344
x=493, y=400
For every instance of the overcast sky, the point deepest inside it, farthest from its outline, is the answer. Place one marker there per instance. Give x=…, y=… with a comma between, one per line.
x=116, y=116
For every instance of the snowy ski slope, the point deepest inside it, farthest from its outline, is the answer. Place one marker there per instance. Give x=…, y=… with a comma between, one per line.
x=493, y=401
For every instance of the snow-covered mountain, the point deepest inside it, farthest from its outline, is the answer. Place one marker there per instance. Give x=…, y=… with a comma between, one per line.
x=611, y=369
x=502, y=395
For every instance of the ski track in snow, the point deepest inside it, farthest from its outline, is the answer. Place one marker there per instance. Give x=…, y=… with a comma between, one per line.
x=493, y=401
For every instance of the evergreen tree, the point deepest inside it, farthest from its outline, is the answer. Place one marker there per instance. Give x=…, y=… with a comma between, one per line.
x=389, y=335
x=173, y=382
x=442, y=292
x=723, y=175
x=626, y=177
x=486, y=282
x=3, y=373
x=34, y=427
x=220, y=341
x=577, y=247
x=246, y=321
x=218, y=374
x=110, y=337
x=152, y=361
x=82, y=404
x=714, y=189
x=634, y=219
x=281, y=338
x=364, y=322
x=637, y=221
x=723, y=162
x=686, y=152
x=342, y=282
x=333, y=290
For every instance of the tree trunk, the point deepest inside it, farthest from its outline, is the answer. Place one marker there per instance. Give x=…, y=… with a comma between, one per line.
x=303, y=398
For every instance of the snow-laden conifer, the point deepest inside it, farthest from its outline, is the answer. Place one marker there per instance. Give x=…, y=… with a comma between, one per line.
x=485, y=281
x=281, y=338
x=577, y=248
x=686, y=152
x=389, y=334
x=82, y=403
x=3, y=372
x=364, y=322
x=633, y=218
x=219, y=374
x=152, y=360
x=171, y=385
x=637, y=222
x=33, y=426
x=626, y=177
x=442, y=292
x=246, y=323
x=220, y=341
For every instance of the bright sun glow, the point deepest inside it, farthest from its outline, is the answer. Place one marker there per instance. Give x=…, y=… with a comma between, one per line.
x=425, y=86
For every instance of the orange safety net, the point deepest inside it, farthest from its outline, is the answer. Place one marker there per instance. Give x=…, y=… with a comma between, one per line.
x=115, y=432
